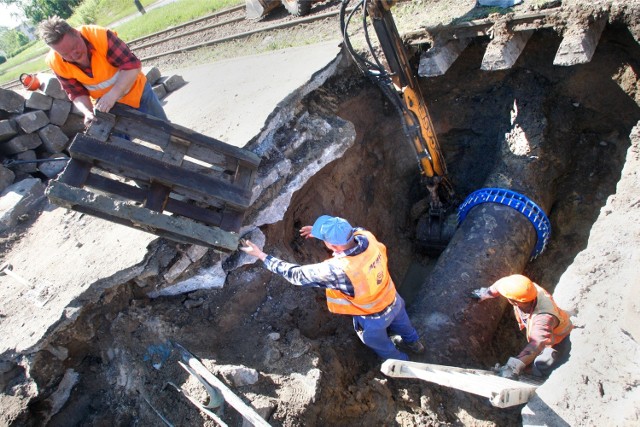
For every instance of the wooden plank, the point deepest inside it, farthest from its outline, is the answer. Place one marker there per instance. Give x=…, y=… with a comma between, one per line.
x=437, y=60
x=579, y=43
x=207, y=155
x=179, y=229
x=75, y=173
x=243, y=156
x=174, y=152
x=187, y=209
x=136, y=146
x=157, y=197
x=132, y=165
x=101, y=127
x=502, y=392
x=143, y=131
x=502, y=53
x=229, y=396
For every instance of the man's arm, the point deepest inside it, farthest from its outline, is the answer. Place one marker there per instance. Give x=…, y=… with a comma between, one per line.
x=540, y=335
x=83, y=103
x=121, y=87
x=320, y=275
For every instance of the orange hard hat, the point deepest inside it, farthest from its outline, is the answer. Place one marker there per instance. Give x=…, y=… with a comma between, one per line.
x=517, y=288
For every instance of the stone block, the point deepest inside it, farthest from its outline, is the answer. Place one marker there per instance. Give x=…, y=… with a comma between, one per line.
x=59, y=112
x=6, y=177
x=160, y=91
x=153, y=74
x=73, y=125
x=173, y=82
x=38, y=101
x=21, y=143
x=8, y=129
x=32, y=121
x=50, y=85
x=28, y=168
x=53, y=139
x=11, y=102
x=19, y=199
x=53, y=168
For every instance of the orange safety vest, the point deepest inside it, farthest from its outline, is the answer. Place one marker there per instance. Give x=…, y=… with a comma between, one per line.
x=546, y=304
x=104, y=74
x=374, y=289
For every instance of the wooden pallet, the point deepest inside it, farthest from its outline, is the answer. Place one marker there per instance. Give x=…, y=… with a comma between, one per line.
x=160, y=177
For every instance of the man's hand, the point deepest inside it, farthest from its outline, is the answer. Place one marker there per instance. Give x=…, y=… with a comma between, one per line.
x=481, y=294
x=511, y=369
x=88, y=118
x=250, y=248
x=107, y=101
x=306, y=231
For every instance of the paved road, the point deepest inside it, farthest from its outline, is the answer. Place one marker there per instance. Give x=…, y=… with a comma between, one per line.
x=230, y=100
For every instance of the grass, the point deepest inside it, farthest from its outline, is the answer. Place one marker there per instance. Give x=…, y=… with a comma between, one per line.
x=104, y=12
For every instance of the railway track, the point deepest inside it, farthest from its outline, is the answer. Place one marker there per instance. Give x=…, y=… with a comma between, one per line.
x=219, y=27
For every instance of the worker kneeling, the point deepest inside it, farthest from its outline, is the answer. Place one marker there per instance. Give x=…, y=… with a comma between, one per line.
x=357, y=283
x=547, y=326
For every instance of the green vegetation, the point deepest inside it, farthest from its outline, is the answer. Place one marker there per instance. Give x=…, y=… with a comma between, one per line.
x=104, y=12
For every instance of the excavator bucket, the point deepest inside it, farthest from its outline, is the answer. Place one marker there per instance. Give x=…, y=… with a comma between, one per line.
x=258, y=9
x=434, y=231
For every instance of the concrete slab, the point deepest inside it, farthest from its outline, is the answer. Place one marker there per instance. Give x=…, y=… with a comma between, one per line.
x=230, y=100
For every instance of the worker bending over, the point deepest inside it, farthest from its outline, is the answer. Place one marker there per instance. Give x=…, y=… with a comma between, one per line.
x=547, y=326
x=92, y=63
x=357, y=283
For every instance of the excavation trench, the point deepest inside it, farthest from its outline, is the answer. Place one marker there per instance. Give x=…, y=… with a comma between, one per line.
x=311, y=368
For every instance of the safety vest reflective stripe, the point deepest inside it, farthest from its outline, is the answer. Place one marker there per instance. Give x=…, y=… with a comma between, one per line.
x=342, y=301
x=104, y=84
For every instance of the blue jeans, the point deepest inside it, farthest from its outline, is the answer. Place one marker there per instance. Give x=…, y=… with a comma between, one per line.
x=150, y=104
x=373, y=330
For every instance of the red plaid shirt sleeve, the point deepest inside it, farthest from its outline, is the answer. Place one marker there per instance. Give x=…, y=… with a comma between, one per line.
x=118, y=54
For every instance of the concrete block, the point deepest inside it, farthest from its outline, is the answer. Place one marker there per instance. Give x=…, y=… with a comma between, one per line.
x=579, y=43
x=8, y=129
x=173, y=82
x=59, y=112
x=160, y=91
x=53, y=138
x=52, y=169
x=153, y=74
x=19, y=199
x=21, y=143
x=32, y=121
x=28, y=168
x=50, y=85
x=437, y=60
x=6, y=177
x=503, y=52
x=38, y=101
x=73, y=125
x=11, y=102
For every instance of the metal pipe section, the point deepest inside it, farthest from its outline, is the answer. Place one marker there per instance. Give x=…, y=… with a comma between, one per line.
x=494, y=240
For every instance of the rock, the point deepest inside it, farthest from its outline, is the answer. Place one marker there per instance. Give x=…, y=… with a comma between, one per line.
x=38, y=101
x=173, y=82
x=239, y=375
x=8, y=129
x=28, y=155
x=32, y=121
x=73, y=125
x=53, y=138
x=50, y=85
x=19, y=199
x=11, y=102
x=153, y=74
x=53, y=169
x=59, y=112
x=6, y=177
x=160, y=91
x=21, y=143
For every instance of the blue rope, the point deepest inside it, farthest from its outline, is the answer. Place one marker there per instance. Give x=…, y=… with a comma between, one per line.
x=516, y=201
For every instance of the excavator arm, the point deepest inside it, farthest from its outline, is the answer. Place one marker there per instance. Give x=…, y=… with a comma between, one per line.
x=400, y=84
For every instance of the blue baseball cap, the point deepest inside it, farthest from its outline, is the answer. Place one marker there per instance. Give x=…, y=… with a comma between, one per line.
x=332, y=229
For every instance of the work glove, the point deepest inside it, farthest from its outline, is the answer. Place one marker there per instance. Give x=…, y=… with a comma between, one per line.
x=481, y=294
x=511, y=369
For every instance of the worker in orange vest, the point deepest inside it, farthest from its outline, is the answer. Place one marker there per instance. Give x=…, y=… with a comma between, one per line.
x=547, y=326
x=97, y=69
x=357, y=283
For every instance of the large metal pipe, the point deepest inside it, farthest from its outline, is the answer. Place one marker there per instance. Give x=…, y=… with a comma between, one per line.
x=494, y=240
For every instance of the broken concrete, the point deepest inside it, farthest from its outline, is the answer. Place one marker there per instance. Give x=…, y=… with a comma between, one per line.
x=19, y=199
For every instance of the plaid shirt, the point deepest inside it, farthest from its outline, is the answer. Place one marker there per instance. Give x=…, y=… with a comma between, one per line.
x=118, y=54
x=320, y=275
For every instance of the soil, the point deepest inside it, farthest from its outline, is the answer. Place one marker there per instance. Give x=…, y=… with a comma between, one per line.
x=108, y=358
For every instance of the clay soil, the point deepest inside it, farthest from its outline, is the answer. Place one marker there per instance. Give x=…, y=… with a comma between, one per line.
x=310, y=367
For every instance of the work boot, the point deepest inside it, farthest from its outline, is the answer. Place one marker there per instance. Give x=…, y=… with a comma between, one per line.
x=414, y=347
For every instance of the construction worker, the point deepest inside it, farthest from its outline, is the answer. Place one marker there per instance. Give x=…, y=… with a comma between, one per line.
x=547, y=326
x=92, y=63
x=357, y=283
